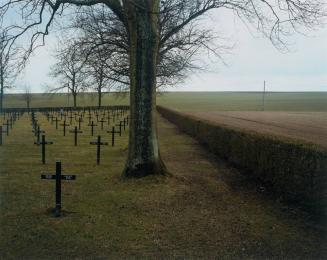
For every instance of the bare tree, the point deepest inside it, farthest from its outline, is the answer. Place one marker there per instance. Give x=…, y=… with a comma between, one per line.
x=27, y=96
x=101, y=32
x=142, y=21
x=100, y=78
x=69, y=70
x=8, y=70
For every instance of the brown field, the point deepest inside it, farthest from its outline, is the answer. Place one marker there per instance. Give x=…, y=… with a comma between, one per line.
x=305, y=126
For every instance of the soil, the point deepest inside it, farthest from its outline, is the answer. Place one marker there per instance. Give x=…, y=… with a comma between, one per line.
x=305, y=126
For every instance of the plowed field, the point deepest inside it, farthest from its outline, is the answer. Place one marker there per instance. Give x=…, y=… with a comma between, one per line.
x=307, y=126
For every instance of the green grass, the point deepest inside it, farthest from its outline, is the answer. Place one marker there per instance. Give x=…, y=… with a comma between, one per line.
x=204, y=210
x=196, y=101
x=244, y=101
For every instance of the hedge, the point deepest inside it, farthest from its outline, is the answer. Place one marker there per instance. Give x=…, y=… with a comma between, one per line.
x=297, y=171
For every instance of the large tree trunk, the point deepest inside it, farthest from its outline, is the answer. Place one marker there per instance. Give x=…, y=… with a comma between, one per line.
x=2, y=84
x=74, y=98
x=143, y=154
x=1, y=91
x=99, y=97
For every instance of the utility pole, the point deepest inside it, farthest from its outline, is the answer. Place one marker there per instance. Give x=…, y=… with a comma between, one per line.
x=263, y=95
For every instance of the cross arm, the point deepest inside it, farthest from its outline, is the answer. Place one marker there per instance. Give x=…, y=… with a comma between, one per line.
x=53, y=177
x=39, y=143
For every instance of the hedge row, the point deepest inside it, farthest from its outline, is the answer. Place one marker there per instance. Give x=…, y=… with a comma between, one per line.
x=296, y=171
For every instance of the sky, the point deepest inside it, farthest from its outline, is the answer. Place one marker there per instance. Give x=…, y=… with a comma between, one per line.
x=252, y=61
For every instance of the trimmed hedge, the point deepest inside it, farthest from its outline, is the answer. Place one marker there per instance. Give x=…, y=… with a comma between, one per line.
x=296, y=171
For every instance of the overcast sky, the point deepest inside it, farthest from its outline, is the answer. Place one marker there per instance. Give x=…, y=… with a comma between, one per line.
x=253, y=60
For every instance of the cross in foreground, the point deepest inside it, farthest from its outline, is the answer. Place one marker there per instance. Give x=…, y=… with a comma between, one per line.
x=58, y=177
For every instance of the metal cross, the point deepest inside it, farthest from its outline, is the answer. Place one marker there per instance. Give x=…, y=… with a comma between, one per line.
x=43, y=143
x=75, y=132
x=58, y=177
x=64, y=125
x=98, y=144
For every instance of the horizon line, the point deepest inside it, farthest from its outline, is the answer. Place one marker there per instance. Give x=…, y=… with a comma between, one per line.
x=183, y=91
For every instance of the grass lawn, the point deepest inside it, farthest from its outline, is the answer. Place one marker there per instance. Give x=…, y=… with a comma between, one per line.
x=205, y=209
x=195, y=101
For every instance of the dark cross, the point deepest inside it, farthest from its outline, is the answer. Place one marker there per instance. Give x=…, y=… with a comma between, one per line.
x=112, y=136
x=43, y=144
x=64, y=125
x=120, y=125
x=124, y=124
x=80, y=120
x=1, y=131
x=102, y=121
x=97, y=116
x=11, y=122
x=98, y=143
x=57, y=122
x=58, y=177
x=75, y=132
x=38, y=132
x=92, y=125
x=7, y=125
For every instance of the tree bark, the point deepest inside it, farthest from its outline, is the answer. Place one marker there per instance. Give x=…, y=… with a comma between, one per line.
x=1, y=98
x=143, y=155
x=2, y=86
x=74, y=98
x=99, y=97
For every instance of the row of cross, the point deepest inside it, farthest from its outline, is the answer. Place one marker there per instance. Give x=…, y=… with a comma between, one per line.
x=41, y=140
x=58, y=177
x=9, y=120
x=53, y=118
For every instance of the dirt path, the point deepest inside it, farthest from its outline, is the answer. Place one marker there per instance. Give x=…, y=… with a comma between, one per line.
x=307, y=126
